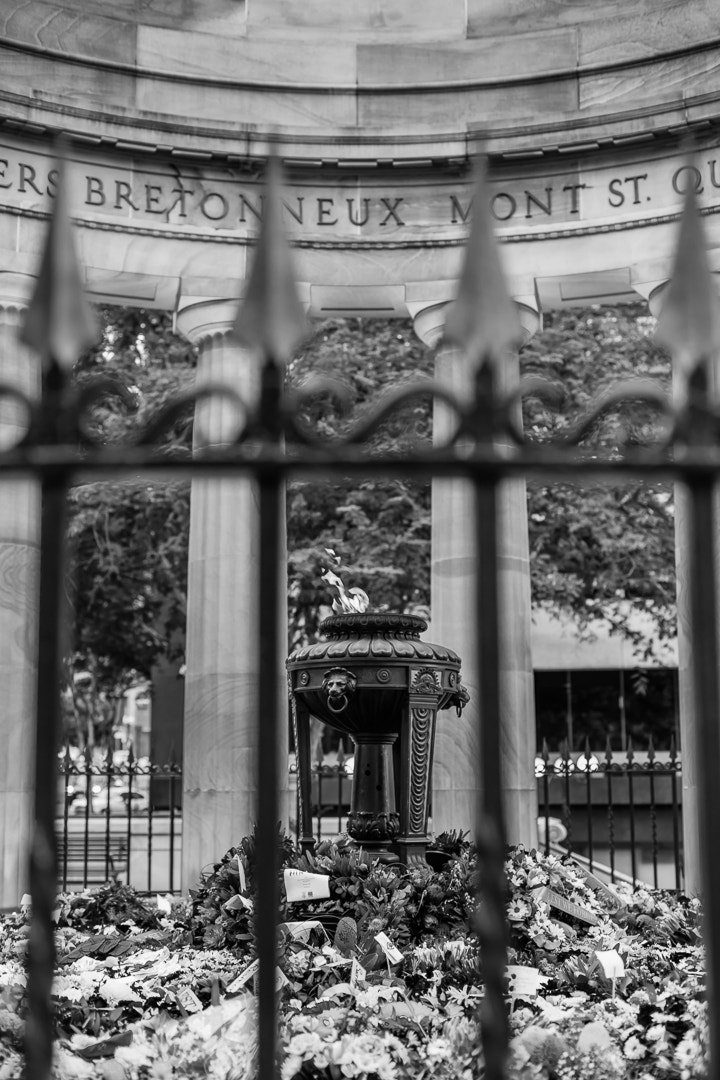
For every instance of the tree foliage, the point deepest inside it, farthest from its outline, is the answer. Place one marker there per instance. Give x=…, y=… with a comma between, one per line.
x=129, y=538
x=595, y=551
x=379, y=528
x=600, y=551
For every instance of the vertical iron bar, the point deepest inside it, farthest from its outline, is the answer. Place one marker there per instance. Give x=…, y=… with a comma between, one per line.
x=623, y=711
x=653, y=810
x=172, y=824
x=87, y=762
x=492, y=928
x=108, y=782
x=567, y=807
x=340, y=774
x=128, y=827
x=610, y=811
x=630, y=773
x=319, y=802
x=43, y=855
x=271, y=520
x=588, y=793
x=675, y=814
x=569, y=718
x=66, y=827
x=703, y=585
x=150, y=830
x=298, y=809
x=546, y=793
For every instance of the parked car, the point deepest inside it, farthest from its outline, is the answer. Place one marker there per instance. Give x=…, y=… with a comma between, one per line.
x=116, y=801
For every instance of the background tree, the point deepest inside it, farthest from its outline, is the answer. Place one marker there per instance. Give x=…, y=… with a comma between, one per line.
x=128, y=538
x=599, y=551
x=379, y=528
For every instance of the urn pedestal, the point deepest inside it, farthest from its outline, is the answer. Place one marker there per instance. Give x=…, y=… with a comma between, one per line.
x=374, y=680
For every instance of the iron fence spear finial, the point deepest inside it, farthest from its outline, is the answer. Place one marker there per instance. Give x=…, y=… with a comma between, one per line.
x=483, y=320
x=60, y=324
x=689, y=320
x=271, y=315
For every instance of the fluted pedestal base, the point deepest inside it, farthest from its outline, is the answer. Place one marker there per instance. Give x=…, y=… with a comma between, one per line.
x=373, y=821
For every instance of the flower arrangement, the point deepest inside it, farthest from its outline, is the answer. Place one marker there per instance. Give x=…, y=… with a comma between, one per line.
x=376, y=981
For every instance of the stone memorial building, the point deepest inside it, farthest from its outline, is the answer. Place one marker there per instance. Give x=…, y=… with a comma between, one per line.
x=170, y=109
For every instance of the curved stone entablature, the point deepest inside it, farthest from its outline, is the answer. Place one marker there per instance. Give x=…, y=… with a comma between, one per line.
x=395, y=80
x=377, y=109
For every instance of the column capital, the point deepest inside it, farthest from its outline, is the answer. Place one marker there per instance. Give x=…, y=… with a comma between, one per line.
x=652, y=292
x=15, y=292
x=201, y=318
x=429, y=322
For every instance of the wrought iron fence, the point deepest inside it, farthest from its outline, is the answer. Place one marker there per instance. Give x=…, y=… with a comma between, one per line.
x=118, y=818
x=486, y=447
x=619, y=811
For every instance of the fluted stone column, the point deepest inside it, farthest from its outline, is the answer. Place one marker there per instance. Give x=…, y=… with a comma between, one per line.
x=19, y=566
x=221, y=681
x=455, y=775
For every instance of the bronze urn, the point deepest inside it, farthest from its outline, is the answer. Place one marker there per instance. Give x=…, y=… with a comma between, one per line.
x=374, y=680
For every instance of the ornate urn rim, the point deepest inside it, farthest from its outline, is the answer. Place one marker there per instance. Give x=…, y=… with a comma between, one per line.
x=383, y=622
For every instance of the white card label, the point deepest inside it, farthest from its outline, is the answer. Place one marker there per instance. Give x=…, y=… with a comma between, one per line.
x=611, y=962
x=357, y=973
x=300, y=885
x=301, y=931
x=393, y=954
x=238, y=903
x=525, y=982
x=241, y=872
x=244, y=977
x=189, y=1001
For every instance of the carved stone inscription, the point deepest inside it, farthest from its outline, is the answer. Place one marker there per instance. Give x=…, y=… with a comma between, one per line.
x=382, y=208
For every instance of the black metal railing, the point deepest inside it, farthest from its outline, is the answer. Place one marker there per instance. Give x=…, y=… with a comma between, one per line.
x=618, y=811
x=486, y=447
x=330, y=789
x=621, y=811
x=119, y=818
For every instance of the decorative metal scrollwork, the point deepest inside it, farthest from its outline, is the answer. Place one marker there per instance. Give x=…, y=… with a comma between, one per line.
x=421, y=721
x=368, y=826
x=480, y=421
x=425, y=681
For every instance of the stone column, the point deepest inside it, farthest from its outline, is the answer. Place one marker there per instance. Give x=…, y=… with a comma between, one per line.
x=221, y=680
x=455, y=776
x=19, y=566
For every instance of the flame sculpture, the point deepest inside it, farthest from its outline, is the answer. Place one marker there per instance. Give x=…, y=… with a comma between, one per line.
x=347, y=601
